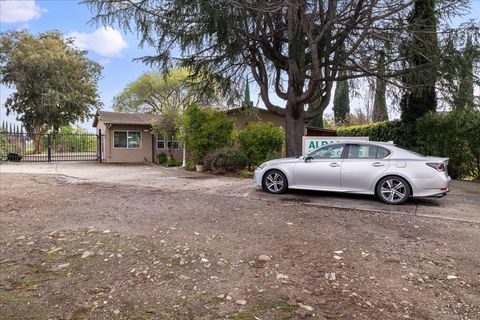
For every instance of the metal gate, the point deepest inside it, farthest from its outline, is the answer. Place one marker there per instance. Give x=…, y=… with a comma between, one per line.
x=50, y=147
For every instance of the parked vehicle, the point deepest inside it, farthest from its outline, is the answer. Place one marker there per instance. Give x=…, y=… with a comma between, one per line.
x=382, y=169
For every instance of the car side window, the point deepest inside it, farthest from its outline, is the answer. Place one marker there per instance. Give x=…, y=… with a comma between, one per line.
x=362, y=151
x=328, y=152
x=382, y=153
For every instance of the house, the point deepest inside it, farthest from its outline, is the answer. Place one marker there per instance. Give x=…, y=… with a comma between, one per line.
x=243, y=116
x=128, y=137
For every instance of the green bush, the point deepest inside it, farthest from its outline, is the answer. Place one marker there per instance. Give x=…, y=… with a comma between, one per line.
x=207, y=130
x=225, y=160
x=5, y=145
x=261, y=141
x=455, y=135
x=172, y=163
x=190, y=165
x=161, y=158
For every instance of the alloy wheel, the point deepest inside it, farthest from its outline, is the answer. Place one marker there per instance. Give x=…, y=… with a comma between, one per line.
x=275, y=182
x=393, y=190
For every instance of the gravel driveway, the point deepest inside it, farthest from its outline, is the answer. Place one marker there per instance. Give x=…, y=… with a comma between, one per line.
x=114, y=248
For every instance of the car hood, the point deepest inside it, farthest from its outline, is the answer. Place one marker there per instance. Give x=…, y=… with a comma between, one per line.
x=283, y=160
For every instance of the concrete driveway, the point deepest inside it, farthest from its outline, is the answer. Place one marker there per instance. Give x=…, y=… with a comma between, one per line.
x=462, y=203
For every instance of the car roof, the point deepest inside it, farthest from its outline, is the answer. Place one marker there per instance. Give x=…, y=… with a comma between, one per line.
x=399, y=152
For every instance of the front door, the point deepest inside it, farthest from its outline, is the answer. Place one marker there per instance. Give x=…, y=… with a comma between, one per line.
x=321, y=170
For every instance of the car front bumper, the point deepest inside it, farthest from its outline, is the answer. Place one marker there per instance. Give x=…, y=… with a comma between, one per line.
x=257, y=177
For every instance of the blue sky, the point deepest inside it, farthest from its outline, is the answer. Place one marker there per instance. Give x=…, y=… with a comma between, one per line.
x=111, y=47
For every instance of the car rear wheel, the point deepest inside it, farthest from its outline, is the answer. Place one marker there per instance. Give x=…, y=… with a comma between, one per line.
x=393, y=190
x=274, y=181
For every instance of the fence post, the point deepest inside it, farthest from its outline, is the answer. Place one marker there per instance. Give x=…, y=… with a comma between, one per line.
x=49, y=147
x=100, y=145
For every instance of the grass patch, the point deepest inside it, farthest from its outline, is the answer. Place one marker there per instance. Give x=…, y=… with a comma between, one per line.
x=25, y=283
x=243, y=316
x=285, y=310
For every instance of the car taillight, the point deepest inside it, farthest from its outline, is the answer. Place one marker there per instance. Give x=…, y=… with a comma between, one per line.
x=437, y=166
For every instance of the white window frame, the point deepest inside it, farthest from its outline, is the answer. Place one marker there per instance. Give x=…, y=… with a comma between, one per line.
x=157, y=136
x=127, y=131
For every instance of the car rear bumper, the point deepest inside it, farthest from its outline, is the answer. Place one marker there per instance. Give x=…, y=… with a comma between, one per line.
x=437, y=186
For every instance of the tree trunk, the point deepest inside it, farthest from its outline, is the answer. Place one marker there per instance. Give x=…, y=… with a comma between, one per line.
x=38, y=142
x=294, y=130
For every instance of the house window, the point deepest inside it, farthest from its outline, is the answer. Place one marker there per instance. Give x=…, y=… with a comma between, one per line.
x=127, y=139
x=160, y=142
x=173, y=143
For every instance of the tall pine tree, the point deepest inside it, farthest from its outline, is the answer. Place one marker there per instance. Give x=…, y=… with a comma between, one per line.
x=379, y=112
x=422, y=56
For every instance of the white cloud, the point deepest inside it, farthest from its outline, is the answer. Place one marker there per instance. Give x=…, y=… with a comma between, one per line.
x=107, y=42
x=19, y=11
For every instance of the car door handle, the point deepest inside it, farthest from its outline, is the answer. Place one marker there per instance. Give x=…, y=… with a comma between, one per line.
x=334, y=164
x=377, y=164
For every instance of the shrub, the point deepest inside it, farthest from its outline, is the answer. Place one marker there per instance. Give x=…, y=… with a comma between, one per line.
x=225, y=160
x=161, y=158
x=172, y=163
x=207, y=130
x=261, y=141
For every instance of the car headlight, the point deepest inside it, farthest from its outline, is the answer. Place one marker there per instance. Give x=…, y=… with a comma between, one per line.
x=263, y=165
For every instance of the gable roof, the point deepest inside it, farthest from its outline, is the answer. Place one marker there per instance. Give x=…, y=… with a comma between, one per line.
x=109, y=117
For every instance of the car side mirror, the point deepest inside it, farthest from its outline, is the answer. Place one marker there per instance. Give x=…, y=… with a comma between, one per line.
x=307, y=158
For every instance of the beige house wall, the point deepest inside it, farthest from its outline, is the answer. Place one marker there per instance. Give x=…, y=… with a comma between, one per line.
x=120, y=155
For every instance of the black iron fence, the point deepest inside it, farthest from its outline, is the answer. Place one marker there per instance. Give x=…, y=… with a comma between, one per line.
x=18, y=146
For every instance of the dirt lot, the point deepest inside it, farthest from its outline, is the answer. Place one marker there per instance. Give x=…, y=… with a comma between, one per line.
x=72, y=249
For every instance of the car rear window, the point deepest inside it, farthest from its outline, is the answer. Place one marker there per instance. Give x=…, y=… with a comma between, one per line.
x=382, y=153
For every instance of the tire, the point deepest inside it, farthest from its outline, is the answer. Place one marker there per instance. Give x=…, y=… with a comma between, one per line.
x=393, y=190
x=274, y=181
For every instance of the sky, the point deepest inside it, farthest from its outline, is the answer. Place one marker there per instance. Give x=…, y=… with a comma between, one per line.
x=114, y=49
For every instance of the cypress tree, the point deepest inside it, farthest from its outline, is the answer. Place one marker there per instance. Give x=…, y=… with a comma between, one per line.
x=341, y=101
x=421, y=53
x=464, y=97
x=379, y=112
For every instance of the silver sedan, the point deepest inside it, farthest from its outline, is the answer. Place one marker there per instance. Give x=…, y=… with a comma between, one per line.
x=390, y=172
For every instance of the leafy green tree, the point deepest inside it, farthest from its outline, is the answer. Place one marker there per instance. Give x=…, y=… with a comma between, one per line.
x=207, y=130
x=55, y=83
x=341, y=102
x=292, y=47
x=260, y=141
x=422, y=55
x=379, y=112
x=169, y=94
x=153, y=92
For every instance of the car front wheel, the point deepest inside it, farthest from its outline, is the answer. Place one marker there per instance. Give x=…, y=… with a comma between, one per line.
x=274, y=181
x=393, y=190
